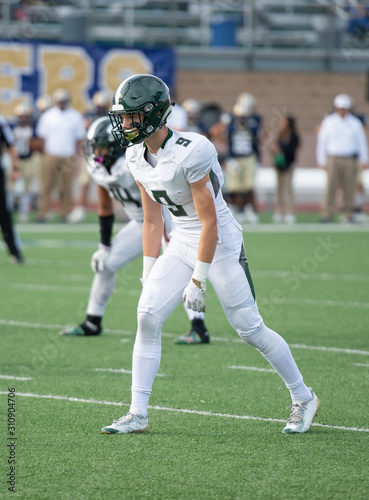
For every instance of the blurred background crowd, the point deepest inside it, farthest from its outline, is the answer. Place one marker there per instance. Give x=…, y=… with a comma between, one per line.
x=258, y=79
x=50, y=137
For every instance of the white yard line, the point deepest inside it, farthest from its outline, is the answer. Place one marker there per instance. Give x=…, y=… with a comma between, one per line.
x=57, y=288
x=258, y=273
x=47, y=288
x=362, y=364
x=329, y=303
x=11, y=377
x=23, y=324
x=45, y=326
x=76, y=289
x=252, y=368
x=122, y=370
x=256, y=228
x=177, y=410
x=329, y=349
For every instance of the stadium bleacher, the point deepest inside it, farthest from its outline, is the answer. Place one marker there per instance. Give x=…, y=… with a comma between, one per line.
x=266, y=23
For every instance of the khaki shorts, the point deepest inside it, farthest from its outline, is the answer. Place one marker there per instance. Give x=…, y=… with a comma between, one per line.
x=30, y=172
x=242, y=179
x=83, y=176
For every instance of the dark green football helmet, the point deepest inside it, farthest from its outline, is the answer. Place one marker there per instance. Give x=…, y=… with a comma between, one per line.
x=99, y=136
x=146, y=96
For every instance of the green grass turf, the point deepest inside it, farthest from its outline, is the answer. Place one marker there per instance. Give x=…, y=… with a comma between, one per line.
x=312, y=296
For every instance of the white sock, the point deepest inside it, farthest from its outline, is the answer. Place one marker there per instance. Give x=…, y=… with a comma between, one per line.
x=101, y=291
x=275, y=350
x=145, y=365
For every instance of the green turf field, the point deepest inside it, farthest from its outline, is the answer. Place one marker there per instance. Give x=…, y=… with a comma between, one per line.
x=217, y=410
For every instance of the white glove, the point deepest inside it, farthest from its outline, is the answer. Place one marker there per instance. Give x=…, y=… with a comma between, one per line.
x=194, y=295
x=99, y=258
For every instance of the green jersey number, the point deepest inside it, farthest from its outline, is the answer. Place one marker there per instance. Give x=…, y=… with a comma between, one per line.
x=162, y=198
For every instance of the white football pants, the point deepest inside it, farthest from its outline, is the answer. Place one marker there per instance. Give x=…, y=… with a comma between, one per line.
x=126, y=246
x=231, y=280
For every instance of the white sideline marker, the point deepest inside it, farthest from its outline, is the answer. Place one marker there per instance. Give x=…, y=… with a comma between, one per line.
x=179, y=410
x=10, y=377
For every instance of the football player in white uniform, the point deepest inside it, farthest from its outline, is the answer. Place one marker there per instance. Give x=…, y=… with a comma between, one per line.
x=107, y=167
x=180, y=170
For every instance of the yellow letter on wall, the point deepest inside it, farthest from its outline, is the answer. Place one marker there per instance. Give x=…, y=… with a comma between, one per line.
x=118, y=65
x=15, y=60
x=69, y=68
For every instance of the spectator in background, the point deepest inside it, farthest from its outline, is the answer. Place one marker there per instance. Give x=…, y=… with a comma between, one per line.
x=341, y=149
x=192, y=108
x=243, y=137
x=101, y=104
x=9, y=234
x=43, y=103
x=358, y=25
x=284, y=155
x=25, y=145
x=359, y=215
x=62, y=131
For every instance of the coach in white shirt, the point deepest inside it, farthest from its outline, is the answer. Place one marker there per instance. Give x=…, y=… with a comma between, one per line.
x=341, y=149
x=62, y=131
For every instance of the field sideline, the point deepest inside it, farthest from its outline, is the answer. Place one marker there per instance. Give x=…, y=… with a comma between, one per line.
x=216, y=411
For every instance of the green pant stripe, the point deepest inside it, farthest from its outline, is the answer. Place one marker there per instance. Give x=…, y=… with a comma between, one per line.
x=245, y=266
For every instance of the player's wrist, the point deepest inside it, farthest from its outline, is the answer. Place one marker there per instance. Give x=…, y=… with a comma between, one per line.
x=148, y=263
x=106, y=229
x=200, y=272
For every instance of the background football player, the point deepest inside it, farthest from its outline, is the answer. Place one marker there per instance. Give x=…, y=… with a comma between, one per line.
x=107, y=167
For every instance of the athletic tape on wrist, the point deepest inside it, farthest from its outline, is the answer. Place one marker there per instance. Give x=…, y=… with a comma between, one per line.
x=201, y=270
x=148, y=263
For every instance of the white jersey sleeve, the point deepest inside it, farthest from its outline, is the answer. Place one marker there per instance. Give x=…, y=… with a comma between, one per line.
x=200, y=162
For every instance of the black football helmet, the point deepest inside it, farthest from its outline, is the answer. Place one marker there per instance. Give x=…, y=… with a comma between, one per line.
x=99, y=135
x=145, y=95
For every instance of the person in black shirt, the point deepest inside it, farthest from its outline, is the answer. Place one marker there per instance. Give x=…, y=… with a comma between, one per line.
x=284, y=155
x=9, y=234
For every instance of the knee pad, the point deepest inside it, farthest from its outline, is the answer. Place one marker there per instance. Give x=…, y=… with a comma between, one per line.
x=245, y=320
x=148, y=329
x=268, y=342
x=250, y=327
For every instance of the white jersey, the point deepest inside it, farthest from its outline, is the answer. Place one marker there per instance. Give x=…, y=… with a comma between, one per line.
x=184, y=158
x=120, y=185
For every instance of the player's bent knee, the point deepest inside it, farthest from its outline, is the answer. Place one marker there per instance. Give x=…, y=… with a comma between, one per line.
x=148, y=328
x=245, y=320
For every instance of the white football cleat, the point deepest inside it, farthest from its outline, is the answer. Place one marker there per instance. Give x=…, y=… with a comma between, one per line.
x=302, y=415
x=129, y=423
